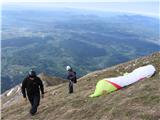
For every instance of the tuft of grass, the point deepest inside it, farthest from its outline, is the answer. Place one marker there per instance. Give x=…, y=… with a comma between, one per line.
x=149, y=117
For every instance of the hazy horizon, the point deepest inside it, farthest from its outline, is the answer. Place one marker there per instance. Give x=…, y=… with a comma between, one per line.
x=150, y=9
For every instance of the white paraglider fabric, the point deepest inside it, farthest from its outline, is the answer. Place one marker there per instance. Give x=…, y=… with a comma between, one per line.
x=134, y=76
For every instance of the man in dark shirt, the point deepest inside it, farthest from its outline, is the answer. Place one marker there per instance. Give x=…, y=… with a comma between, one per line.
x=71, y=77
x=32, y=86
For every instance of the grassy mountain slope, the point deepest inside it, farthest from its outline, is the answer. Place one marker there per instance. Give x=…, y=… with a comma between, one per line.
x=13, y=95
x=51, y=81
x=140, y=101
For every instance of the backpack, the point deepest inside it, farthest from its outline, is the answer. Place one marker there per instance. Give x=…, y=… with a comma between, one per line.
x=74, y=77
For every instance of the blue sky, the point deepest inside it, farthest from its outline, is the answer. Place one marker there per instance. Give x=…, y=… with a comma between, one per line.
x=79, y=0
x=143, y=7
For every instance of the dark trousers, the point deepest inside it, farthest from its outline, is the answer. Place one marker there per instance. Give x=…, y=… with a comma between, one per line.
x=70, y=86
x=34, y=100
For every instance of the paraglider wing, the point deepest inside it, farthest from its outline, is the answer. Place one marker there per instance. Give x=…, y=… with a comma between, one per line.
x=108, y=85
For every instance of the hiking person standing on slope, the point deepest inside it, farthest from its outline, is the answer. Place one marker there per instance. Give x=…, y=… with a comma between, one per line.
x=71, y=77
x=32, y=86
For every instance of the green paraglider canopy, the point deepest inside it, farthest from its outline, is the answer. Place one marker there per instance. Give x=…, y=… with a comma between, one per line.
x=102, y=87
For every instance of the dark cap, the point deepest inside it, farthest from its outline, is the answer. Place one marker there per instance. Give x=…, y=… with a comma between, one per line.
x=32, y=73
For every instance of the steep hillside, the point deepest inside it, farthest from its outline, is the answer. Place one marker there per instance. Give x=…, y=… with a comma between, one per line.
x=51, y=81
x=13, y=95
x=140, y=101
